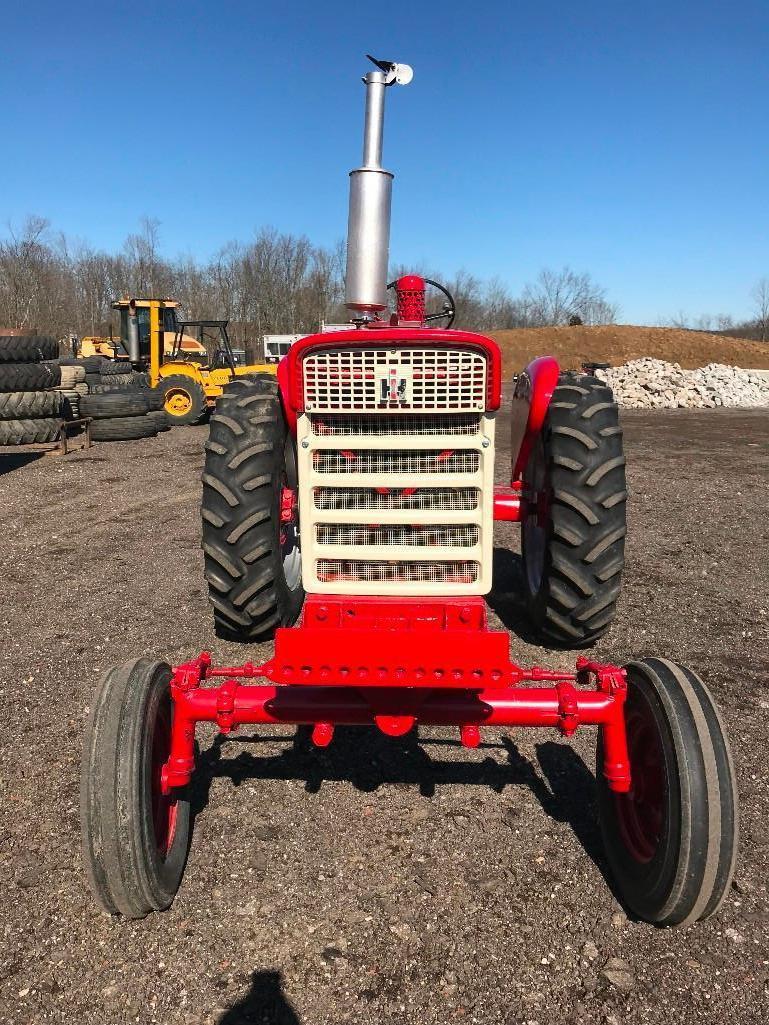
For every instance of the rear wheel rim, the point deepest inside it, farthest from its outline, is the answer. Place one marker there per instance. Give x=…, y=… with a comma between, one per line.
x=641, y=813
x=178, y=402
x=164, y=806
x=533, y=531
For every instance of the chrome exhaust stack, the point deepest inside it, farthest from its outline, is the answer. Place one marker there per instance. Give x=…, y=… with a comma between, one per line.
x=368, y=224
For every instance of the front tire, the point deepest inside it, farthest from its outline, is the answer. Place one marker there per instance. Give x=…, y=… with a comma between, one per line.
x=135, y=839
x=183, y=399
x=671, y=843
x=573, y=531
x=252, y=560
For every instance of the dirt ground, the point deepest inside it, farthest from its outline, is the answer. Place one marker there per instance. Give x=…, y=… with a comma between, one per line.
x=379, y=881
x=618, y=343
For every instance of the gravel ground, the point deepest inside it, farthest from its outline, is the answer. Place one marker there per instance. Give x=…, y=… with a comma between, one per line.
x=379, y=880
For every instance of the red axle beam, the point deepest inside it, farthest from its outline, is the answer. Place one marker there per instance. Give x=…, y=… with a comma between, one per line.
x=396, y=709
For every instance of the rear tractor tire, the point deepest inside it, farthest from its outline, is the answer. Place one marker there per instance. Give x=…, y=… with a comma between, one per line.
x=573, y=530
x=183, y=399
x=135, y=838
x=27, y=348
x=252, y=560
x=671, y=843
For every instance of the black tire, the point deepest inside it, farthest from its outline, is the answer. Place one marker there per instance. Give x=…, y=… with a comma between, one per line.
x=115, y=368
x=112, y=384
x=159, y=418
x=27, y=348
x=183, y=399
x=249, y=457
x=134, y=860
x=672, y=842
x=113, y=404
x=29, y=432
x=92, y=364
x=29, y=376
x=122, y=428
x=118, y=382
x=29, y=405
x=573, y=555
x=155, y=399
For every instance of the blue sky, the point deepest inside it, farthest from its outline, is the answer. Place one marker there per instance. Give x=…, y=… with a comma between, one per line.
x=626, y=139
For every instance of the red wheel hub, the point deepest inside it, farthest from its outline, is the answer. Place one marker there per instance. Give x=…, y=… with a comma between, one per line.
x=641, y=812
x=164, y=806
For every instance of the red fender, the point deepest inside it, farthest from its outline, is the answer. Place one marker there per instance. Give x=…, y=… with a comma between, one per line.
x=531, y=400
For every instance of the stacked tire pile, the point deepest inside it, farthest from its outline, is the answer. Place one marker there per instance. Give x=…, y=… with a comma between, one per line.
x=117, y=399
x=73, y=386
x=31, y=407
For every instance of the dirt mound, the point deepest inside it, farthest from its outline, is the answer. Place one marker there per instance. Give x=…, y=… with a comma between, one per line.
x=620, y=343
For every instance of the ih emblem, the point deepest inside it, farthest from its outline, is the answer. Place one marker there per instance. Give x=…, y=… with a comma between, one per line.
x=394, y=383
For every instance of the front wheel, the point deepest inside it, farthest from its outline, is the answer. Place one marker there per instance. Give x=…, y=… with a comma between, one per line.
x=135, y=838
x=183, y=399
x=671, y=842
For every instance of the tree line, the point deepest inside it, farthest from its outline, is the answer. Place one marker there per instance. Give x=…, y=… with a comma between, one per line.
x=276, y=283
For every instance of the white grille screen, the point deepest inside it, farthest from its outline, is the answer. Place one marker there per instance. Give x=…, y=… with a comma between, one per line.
x=402, y=462
x=436, y=535
x=373, y=499
x=381, y=379
x=406, y=424
x=363, y=570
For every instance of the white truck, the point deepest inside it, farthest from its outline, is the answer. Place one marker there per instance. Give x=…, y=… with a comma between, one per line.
x=276, y=346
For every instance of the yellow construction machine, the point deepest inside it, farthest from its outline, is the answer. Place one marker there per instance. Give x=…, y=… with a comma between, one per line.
x=191, y=361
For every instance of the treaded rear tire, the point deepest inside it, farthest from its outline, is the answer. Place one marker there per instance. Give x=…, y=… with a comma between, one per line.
x=672, y=842
x=27, y=348
x=126, y=870
x=29, y=432
x=573, y=561
x=29, y=376
x=114, y=368
x=243, y=476
x=29, y=405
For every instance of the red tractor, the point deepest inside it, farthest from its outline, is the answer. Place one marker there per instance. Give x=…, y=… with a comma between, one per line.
x=348, y=512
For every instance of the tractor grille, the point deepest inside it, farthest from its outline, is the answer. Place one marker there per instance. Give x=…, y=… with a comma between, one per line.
x=396, y=464
x=384, y=499
x=395, y=425
x=434, y=536
x=376, y=461
x=382, y=379
x=367, y=571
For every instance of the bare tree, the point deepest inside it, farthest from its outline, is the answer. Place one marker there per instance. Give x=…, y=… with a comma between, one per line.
x=760, y=296
x=556, y=296
x=141, y=250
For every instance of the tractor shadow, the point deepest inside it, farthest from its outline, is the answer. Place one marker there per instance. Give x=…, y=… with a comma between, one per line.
x=558, y=778
x=264, y=1004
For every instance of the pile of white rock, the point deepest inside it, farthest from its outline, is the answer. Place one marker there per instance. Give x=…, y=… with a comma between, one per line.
x=654, y=384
